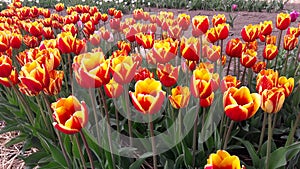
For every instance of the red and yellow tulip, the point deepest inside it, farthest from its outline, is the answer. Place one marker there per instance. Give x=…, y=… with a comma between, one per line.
x=290, y=42
x=287, y=84
x=229, y=81
x=201, y=86
x=167, y=74
x=113, y=89
x=270, y=51
x=248, y=58
x=201, y=23
x=189, y=48
x=221, y=160
x=180, y=97
x=250, y=32
x=283, y=21
x=272, y=100
x=5, y=66
x=234, y=48
x=55, y=82
x=165, y=50
x=124, y=69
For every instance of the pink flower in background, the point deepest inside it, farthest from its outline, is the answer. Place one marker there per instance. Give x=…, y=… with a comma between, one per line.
x=294, y=15
x=234, y=7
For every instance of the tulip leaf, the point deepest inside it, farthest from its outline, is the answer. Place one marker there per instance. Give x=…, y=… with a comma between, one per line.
x=51, y=165
x=188, y=157
x=137, y=164
x=179, y=161
x=20, y=138
x=251, y=151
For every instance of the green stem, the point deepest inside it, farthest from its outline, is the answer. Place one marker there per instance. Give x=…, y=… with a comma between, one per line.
x=195, y=134
x=87, y=149
x=262, y=133
x=238, y=69
x=292, y=133
x=221, y=53
x=278, y=47
x=46, y=122
x=153, y=142
x=92, y=97
x=65, y=72
x=243, y=77
x=201, y=45
x=126, y=88
x=297, y=69
x=234, y=70
x=269, y=140
x=80, y=151
x=228, y=68
x=71, y=72
x=285, y=62
x=228, y=134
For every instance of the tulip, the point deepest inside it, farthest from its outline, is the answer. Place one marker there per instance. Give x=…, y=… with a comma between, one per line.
x=65, y=42
x=34, y=77
x=85, y=17
x=258, y=66
x=189, y=48
x=184, y=21
x=221, y=160
x=5, y=66
x=138, y=14
x=70, y=115
x=248, y=58
x=104, y=17
x=201, y=23
x=113, y=89
x=16, y=40
x=124, y=69
x=111, y=11
x=143, y=73
x=206, y=102
x=148, y=96
x=59, y=7
x=266, y=79
x=211, y=35
x=70, y=28
x=234, y=48
x=36, y=29
x=4, y=41
x=290, y=42
x=174, y=32
x=270, y=40
x=272, y=100
x=147, y=40
x=48, y=33
x=283, y=21
x=266, y=28
x=201, y=86
x=293, y=31
x=13, y=78
x=167, y=74
x=30, y=41
x=234, y=7
x=55, y=82
x=164, y=50
x=286, y=84
x=294, y=15
x=118, y=14
x=79, y=46
x=229, y=81
x=115, y=23
x=180, y=97
x=270, y=51
x=250, y=32
x=212, y=53
x=218, y=19
x=91, y=70
x=239, y=104
x=95, y=39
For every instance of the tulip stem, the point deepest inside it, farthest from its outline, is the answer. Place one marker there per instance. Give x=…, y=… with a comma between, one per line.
x=195, y=134
x=91, y=93
x=290, y=138
x=243, y=77
x=108, y=126
x=269, y=140
x=153, y=142
x=87, y=149
x=43, y=115
x=221, y=53
x=126, y=88
x=201, y=45
x=278, y=47
x=71, y=72
x=262, y=133
x=229, y=65
x=297, y=69
x=80, y=151
x=234, y=70
x=285, y=62
x=228, y=134
x=238, y=70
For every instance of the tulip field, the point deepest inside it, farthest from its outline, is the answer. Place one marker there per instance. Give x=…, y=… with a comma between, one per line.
x=126, y=88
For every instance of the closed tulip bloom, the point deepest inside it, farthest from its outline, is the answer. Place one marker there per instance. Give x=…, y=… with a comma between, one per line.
x=201, y=23
x=293, y=31
x=206, y=102
x=91, y=70
x=34, y=77
x=13, y=78
x=248, y=58
x=69, y=115
x=118, y=14
x=143, y=73
x=147, y=41
x=218, y=19
x=266, y=28
x=290, y=42
x=270, y=51
x=250, y=32
x=174, y=32
x=115, y=23
x=123, y=45
x=36, y=28
x=287, y=84
x=4, y=41
x=113, y=89
x=222, y=30
x=189, y=48
x=223, y=160
x=48, y=33
x=270, y=40
x=212, y=53
x=59, y=7
x=29, y=41
x=184, y=21
x=16, y=40
x=111, y=11
x=229, y=81
x=65, y=42
x=70, y=28
x=294, y=15
x=211, y=35
x=5, y=66
x=240, y=104
x=266, y=79
x=201, y=86
x=165, y=50
x=283, y=21
x=258, y=66
x=55, y=82
x=148, y=96
x=124, y=69
x=272, y=100
x=234, y=48
x=95, y=39
x=180, y=97
x=104, y=17
x=167, y=74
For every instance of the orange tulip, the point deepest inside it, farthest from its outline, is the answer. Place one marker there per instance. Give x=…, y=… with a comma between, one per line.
x=272, y=100
x=16, y=40
x=257, y=67
x=59, y=7
x=221, y=160
x=55, y=82
x=201, y=23
x=124, y=69
x=65, y=42
x=91, y=70
x=180, y=97
x=229, y=81
x=270, y=40
x=148, y=96
x=70, y=115
x=286, y=84
x=35, y=28
x=5, y=66
x=266, y=28
x=143, y=73
x=189, y=48
x=206, y=102
x=239, y=104
x=234, y=48
x=250, y=32
x=4, y=41
x=165, y=50
x=222, y=30
x=266, y=79
x=34, y=77
x=167, y=74
x=201, y=83
x=30, y=41
x=290, y=42
x=270, y=51
x=113, y=89
x=248, y=58
x=13, y=77
x=283, y=20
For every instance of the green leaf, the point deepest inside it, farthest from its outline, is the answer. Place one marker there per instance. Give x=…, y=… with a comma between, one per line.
x=16, y=140
x=251, y=151
x=51, y=165
x=179, y=161
x=34, y=158
x=57, y=155
x=137, y=164
x=188, y=157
